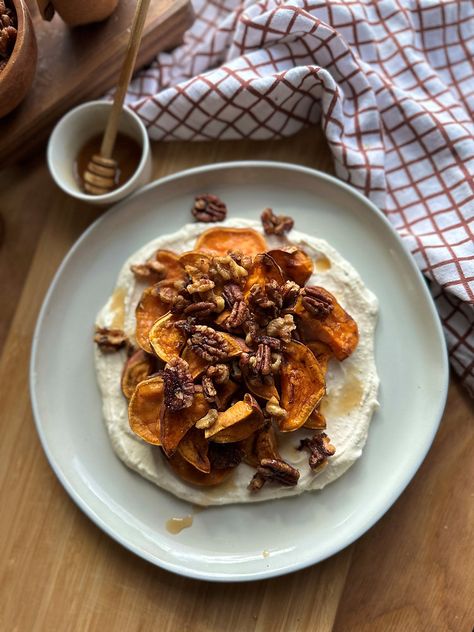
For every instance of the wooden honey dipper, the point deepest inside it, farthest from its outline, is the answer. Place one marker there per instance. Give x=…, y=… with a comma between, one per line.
x=100, y=176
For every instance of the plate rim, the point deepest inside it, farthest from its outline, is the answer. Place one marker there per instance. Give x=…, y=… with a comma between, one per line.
x=336, y=546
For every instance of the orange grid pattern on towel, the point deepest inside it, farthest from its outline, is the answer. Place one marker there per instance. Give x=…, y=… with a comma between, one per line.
x=391, y=82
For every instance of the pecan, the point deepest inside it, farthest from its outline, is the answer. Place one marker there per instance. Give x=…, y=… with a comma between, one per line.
x=208, y=343
x=150, y=271
x=219, y=373
x=320, y=448
x=202, y=309
x=238, y=315
x=227, y=269
x=7, y=40
x=225, y=455
x=289, y=292
x=251, y=329
x=274, y=470
x=258, y=363
x=281, y=327
x=276, y=362
x=209, y=208
x=316, y=303
x=275, y=224
x=110, y=340
x=209, y=418
x=208, y=388
x=274, y=409
x=270, y=341
x=232, y=292
x=178, y=385
x=243, y=260
x=179, y=304
x=201, y=283
x=266, y=298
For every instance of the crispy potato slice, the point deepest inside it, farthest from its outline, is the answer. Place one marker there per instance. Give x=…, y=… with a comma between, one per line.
x=296, y=265
x=238, y=422
x=190, y=474
x=235, y=414
x=302, y=385
x=166, y=339
x=322, y=353
x=174, y=269
x=174, y=425
x=225, y=392
x=144, y=410
x=148, y=311
x=263, y=270
x=221, y=241
x=197, y=365
x=261, y=445
x=316, y=421
x=193, y=447
x=258, y=388
x=223, y=316
x=138, y=367
x=200, y=260
x=338, y=330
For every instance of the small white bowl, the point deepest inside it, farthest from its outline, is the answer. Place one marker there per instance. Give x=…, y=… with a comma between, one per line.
x=75, y=129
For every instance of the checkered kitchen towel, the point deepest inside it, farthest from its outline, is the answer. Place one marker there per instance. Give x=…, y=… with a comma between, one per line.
x=391, y=82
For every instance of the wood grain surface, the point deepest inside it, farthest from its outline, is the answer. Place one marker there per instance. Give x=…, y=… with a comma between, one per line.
x=414, y=570
x=81, y=64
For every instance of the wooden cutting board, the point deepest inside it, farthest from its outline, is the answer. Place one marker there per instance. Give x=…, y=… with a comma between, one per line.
x=76, y=65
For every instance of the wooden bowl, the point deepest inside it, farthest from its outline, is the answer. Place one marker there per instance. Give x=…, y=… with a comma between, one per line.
x=17, y=76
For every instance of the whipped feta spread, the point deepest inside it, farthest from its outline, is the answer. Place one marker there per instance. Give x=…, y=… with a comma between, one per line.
x=348, y=406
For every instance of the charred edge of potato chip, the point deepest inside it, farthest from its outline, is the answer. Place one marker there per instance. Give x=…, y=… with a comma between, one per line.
x=222, y=240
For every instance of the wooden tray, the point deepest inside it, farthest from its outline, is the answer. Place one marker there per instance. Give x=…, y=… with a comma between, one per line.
x=80, y=64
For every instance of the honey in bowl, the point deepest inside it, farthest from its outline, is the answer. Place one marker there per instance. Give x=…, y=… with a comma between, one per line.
x=127, y=153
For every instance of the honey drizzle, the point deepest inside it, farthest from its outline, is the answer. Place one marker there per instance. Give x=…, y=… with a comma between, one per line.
x=322, y=264
x=176, y=525
x=349, y=397
x=117, y=307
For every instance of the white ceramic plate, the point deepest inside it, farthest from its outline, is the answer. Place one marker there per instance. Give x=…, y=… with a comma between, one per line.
x=239, y=542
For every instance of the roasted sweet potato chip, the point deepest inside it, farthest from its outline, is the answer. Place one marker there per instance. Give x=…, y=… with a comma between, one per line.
x=233, y=415
x=221, y=241
x=302, y=385
x=260, y=389
x=264, y=269
x=295, y=264
x=166, y=339
x=174, y=425
x=193, y=447
x=138, y=367
x=199, y=260
x=225, y=392
x=322, y=353
x=190, y=474
x=223, y=316
x=197, y=365
x=316, y=421
x=148, y=311
x=237, y=422
x=174, y=269
x=338, y=329
x=144, y=410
